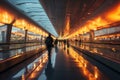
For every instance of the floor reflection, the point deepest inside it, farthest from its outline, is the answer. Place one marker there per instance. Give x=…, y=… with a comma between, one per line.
x=49, y=70
x=90, y=71
x=56, y=49
x=67, y=50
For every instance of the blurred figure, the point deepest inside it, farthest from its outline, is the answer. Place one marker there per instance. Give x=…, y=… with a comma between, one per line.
x=49, y=44
x=64, y=41
x=56, y=42
x=68, y=43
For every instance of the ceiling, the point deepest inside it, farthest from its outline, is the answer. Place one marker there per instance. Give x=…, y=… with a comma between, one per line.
x=63, y=16
x=76, y=11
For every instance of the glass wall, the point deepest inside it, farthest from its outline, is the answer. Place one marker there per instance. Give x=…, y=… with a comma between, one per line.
x=107, y=31
x=32, y=37
x=17, y=35
x=3, y=30
x=112, y=33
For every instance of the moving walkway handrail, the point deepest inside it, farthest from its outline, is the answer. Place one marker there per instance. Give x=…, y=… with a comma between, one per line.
x=17, y=59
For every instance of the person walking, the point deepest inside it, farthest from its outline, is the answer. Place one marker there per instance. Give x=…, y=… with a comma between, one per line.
x=49, y=44
x=56, y=42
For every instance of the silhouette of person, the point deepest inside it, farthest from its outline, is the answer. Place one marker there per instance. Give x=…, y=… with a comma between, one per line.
x=68, y=44
x=56, y=42
x=49, y=44
x=49, y=70
x=64, y=41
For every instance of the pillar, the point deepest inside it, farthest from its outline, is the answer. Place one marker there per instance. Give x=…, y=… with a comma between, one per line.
x=92, y=35
x=8, y=34
x=25, y=40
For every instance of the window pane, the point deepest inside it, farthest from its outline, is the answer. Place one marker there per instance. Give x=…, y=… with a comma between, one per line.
x=3, y=30
x=32, y=37
x=17, y=35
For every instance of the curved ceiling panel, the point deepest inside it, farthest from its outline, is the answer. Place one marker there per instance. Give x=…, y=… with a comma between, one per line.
x=34, y=10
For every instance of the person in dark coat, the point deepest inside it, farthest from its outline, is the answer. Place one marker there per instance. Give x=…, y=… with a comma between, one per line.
x=49, y=44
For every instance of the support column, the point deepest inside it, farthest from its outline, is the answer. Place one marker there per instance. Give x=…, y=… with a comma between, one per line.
x=92, y=35
x=9, y=29
x=8, y=35
x=26, y=31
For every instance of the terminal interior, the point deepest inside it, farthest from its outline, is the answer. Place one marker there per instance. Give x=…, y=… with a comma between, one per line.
x=88, y=34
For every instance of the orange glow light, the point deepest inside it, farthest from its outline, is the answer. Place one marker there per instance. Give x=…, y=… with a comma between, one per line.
x=5, y=17
x=114, y=14
x=102, y=21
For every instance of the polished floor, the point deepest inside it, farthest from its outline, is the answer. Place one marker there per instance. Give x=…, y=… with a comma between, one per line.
x=65, y=64
x=71, y=65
